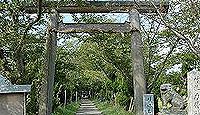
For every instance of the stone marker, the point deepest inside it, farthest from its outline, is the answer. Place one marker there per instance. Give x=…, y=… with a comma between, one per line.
x=193, y=80
x=148, y=104
x=12, y=97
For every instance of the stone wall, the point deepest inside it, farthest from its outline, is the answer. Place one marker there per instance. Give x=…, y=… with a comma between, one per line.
x=12, y=104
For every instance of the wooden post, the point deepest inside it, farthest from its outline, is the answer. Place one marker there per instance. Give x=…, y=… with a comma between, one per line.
x=65, y=101
x=76, y=96
x=131, y=104
x=51, y=57
x=137, y=60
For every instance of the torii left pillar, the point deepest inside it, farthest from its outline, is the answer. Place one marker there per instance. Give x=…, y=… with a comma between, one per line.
x=45, y=107
x=139, y=81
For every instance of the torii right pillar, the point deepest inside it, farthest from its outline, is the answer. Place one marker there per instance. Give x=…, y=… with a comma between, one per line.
x=137, y=62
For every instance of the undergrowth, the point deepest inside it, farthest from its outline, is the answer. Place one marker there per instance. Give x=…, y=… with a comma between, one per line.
x=109, y=109
x=69, y=109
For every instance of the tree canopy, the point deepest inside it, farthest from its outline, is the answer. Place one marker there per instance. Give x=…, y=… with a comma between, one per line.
x=99, y=62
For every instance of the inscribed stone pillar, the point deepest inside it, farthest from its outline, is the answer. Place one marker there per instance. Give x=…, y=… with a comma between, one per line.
x=148, y=104
x=137, y=60
x=193, y=80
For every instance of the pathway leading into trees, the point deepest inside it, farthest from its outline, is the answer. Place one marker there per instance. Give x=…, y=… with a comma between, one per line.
x=87, y=108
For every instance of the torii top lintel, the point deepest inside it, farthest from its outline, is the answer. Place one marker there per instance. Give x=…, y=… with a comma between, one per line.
x=103, y=7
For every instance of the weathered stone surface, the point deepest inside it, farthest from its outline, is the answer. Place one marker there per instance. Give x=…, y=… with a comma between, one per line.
x=139, y=80
x=12, y=104
x=4, y=81
x=148, y=104
x=170, y=96
x=193, y=86
x=180, y=112
x=7, y=87
x=12, y=97
x=15, y=89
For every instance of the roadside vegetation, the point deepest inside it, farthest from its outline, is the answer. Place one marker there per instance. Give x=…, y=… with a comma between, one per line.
x=69, y=109
x=108, y=108
x=97, y=62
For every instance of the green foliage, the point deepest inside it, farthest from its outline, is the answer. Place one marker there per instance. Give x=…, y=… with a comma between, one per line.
x=108, y=109
x=98, y=62
x=121, y=99
x=69, y=109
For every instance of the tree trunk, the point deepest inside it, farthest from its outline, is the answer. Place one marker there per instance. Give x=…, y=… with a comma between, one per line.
x=20, y=62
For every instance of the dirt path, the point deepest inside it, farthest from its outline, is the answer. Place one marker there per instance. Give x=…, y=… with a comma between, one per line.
x=87, y=108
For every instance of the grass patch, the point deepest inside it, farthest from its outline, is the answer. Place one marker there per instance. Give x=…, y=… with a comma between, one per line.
x=108, y=109
x=69, y=109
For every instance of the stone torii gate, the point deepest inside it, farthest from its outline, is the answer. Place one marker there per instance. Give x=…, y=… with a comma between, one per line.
x=131, y=7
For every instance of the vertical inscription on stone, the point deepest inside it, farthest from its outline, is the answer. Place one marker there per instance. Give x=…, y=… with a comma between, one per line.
x=193, y=92
x=148, y=104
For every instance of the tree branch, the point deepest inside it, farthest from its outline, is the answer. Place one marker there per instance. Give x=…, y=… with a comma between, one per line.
x=163, y=65
x=178, y=34
x=29, y=26
x=19, y=48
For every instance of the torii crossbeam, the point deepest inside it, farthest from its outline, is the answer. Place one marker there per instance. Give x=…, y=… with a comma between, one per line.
x=107, y=28
x=101, y=6
x=131, y=7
